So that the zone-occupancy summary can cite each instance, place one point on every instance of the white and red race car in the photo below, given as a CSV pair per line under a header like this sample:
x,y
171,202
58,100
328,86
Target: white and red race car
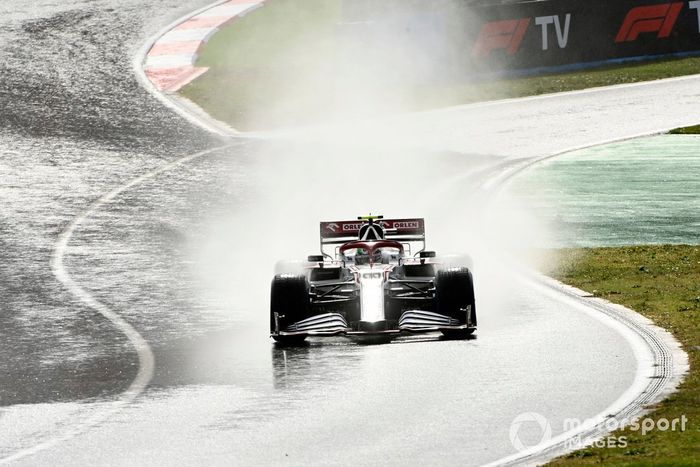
x,y
368,282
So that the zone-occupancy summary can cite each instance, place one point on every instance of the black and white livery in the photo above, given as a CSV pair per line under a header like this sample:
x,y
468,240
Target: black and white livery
x,y
368,282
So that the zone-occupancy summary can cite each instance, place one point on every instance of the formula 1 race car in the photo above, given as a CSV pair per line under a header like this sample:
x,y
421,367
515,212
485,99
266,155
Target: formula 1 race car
x,y
370,284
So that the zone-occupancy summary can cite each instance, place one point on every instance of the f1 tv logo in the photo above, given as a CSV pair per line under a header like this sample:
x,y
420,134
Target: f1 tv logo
x,y
508,34
653,18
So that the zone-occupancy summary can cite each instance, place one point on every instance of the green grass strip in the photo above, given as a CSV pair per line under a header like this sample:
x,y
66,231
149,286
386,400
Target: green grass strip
x,y
689,130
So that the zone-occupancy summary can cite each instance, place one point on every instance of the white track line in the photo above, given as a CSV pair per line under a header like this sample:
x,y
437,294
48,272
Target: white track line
x,y
143,350
502,179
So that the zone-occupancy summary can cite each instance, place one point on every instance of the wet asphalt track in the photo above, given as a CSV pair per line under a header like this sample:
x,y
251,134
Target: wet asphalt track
x,y
173,257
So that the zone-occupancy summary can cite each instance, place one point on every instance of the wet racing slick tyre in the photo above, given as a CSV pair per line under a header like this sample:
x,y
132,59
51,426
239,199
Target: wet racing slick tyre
x,y
289,298
454,293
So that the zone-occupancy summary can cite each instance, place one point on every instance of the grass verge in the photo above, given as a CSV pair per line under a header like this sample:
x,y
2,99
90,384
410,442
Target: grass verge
x,y
270,67
689,130
278,66
662,283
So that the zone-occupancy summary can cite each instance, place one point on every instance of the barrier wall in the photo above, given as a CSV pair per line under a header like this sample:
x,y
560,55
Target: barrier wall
x,y
555,33
454,40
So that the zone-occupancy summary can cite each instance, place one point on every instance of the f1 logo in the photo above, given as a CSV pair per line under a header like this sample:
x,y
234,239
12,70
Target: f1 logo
x,y
507,34
653,18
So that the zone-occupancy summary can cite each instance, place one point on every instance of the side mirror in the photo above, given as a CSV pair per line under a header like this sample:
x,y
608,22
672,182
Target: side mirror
x,y
315,259
427,254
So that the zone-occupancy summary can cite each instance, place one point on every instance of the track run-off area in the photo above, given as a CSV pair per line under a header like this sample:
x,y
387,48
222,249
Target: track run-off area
x,y
166,245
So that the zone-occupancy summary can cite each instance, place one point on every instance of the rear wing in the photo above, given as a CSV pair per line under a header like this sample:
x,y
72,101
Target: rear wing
x,y
401,230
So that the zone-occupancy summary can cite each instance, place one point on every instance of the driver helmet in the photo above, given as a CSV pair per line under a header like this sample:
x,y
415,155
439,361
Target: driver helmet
x,y
361,256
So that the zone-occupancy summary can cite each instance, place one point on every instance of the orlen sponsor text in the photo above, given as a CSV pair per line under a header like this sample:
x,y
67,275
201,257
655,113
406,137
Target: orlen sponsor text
x,y
406,225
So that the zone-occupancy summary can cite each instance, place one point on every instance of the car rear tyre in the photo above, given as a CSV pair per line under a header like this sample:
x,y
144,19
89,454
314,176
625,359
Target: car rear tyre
x,y
289,299
454,293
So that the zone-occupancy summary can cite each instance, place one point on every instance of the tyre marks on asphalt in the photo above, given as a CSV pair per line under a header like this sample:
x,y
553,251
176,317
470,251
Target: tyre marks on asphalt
x,y
146,361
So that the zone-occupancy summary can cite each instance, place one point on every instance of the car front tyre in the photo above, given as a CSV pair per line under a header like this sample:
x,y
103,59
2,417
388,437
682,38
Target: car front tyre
x,y
454,293
289,303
